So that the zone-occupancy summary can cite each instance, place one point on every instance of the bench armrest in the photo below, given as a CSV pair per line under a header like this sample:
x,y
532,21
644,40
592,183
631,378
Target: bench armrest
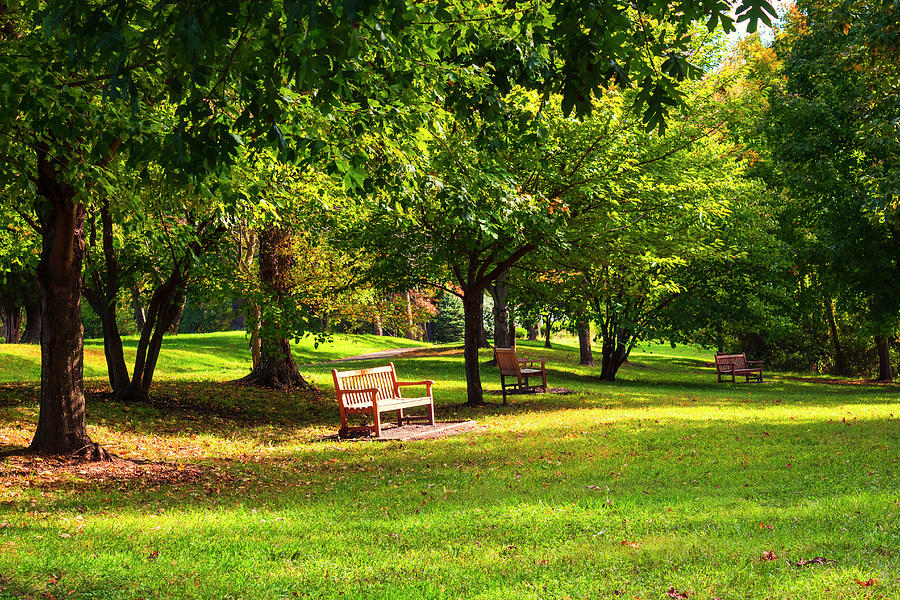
x,y
526,361
426,382
373,391
755,362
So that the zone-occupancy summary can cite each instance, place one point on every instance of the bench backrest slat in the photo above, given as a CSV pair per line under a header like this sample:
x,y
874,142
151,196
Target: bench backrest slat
x,y
507,361
384,379
739,361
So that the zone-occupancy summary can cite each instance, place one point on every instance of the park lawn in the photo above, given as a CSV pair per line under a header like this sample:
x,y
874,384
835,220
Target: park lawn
x,y
661,485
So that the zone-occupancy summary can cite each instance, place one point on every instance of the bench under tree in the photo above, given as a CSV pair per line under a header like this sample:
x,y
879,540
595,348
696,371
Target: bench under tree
x,y
374,391
737,365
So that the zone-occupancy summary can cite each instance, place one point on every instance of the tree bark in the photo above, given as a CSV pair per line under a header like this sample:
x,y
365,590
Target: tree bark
x,y
885,372
61,427
276,367
533,332
586,356
613,356
12,323
474,329
841,364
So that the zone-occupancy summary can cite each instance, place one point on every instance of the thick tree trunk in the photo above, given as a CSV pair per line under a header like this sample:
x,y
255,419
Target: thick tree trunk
x,y
841,364
533,332
474,328
885,372
547,325
613,357
12,323
276,367
586,356
61,427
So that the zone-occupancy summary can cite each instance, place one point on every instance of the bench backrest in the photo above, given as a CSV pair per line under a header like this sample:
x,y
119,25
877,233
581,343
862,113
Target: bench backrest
x,y
384,379
507,361
735,361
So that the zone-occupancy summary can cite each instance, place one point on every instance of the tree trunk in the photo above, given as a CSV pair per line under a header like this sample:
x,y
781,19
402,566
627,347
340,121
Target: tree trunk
x,y
612,358
885,372
276,367
112,340
376,323
12,323
61,427
474,327
841,364
161,313
547,325
586,356
533,332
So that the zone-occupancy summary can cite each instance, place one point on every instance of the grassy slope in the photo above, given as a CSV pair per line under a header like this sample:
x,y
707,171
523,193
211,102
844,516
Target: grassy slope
x,y
700,479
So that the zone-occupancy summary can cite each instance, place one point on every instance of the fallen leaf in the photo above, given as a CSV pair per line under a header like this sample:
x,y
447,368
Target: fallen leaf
x,y
868,583
764,526
632,544
673,593
153,555
768,555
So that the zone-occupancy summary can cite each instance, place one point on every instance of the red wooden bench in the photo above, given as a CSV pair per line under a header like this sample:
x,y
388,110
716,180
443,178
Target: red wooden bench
x,y
520,368
738,365
374,391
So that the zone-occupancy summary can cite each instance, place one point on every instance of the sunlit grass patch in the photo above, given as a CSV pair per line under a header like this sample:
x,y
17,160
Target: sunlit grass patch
x,y
662,480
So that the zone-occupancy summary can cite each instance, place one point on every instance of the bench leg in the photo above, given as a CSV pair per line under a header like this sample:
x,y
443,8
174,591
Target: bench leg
x,y
343,431
431,412
503,388
544,380
399,416
377,423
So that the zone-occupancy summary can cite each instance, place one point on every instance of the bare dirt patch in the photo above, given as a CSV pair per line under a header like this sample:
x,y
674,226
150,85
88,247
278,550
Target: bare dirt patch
x,y
47,471
410,431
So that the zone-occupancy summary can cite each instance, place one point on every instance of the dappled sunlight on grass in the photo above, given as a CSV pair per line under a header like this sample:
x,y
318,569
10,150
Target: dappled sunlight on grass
x,y
662,479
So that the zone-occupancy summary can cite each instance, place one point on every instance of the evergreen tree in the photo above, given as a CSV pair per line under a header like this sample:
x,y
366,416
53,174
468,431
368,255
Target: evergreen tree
x,y
449,325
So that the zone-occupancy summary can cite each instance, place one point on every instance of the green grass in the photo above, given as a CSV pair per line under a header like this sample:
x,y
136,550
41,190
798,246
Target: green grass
x,y
699,478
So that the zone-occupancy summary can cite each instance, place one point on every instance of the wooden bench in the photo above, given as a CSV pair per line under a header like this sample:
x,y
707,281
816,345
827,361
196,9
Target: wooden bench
x,y
520,368
374,391
738,365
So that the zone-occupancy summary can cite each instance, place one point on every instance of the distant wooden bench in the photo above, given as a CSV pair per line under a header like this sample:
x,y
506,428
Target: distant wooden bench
x,y
374,391
737,365
520,368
